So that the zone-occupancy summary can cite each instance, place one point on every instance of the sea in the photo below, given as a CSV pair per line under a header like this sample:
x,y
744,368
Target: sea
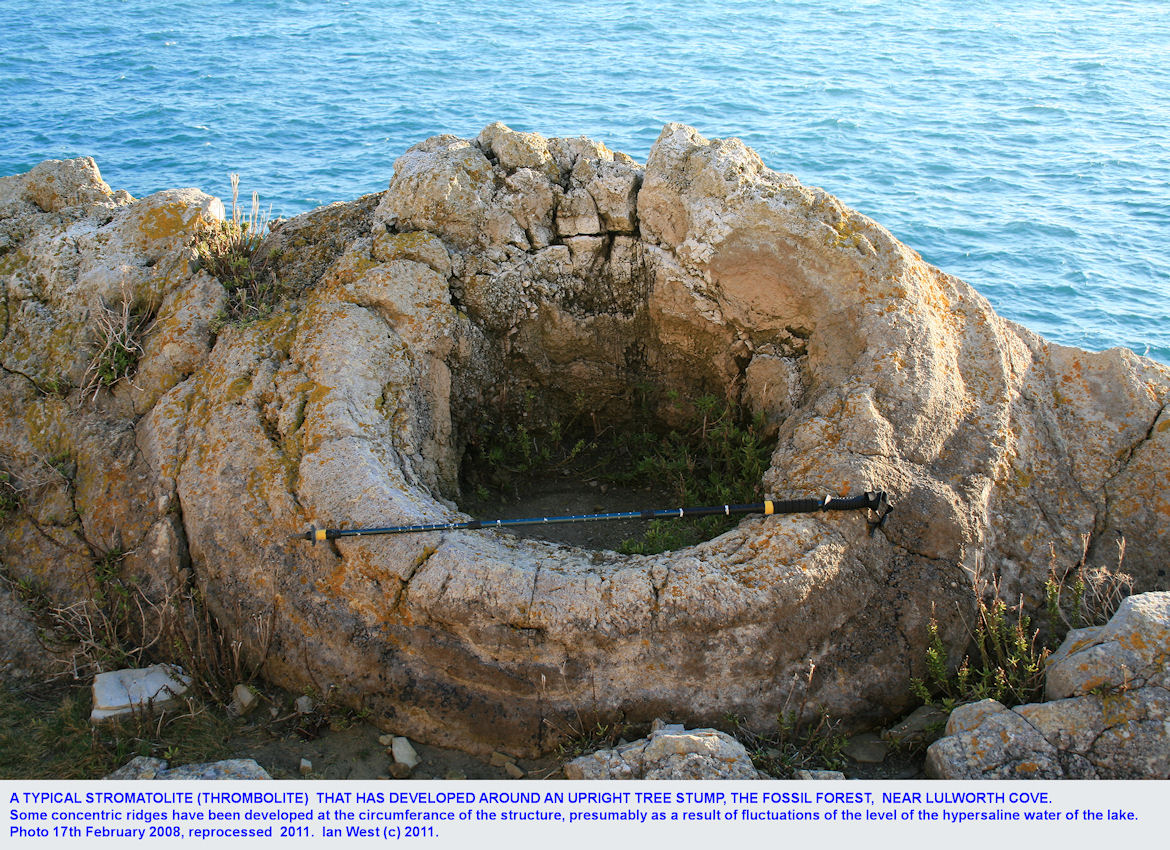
x,y
1022,145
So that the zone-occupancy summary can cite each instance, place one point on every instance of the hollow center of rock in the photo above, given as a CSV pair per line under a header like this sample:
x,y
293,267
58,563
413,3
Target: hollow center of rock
x,y
666,452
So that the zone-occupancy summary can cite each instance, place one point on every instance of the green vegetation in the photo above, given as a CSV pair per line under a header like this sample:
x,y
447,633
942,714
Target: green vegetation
x,y
803,740
1009,667
718,457
45,730
1084,596
118,348
230,252
583,738
9,495
1010,653
45,733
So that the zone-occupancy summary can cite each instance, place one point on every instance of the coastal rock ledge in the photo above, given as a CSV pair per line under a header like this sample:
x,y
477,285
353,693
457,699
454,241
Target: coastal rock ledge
x,y
515,267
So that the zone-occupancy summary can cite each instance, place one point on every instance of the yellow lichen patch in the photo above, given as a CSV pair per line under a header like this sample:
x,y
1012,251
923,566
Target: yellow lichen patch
x,y
47,426
237,389
1116,708
349,268
164,222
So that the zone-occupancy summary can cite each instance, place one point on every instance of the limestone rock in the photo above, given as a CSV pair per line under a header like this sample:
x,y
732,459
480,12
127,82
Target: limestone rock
x,y
139,767
121,692
143,767
244,699
577,214
613,186
1130,651
921,726
516,151
55,185
444,186
404,753
821,775
1114,725
669,752
419,246
22,656
1003,746
867,748
514,268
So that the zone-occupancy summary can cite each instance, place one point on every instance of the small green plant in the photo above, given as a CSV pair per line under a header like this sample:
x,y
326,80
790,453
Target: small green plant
x,y
45,733
230,251
120,332
57,386
719,459
803,740
9,495
587,738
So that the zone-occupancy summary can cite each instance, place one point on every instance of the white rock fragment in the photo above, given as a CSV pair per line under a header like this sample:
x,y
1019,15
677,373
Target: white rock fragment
x,y
121,692
404,753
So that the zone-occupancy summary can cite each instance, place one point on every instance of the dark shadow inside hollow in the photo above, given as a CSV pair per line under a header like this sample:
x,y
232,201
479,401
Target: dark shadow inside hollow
x,y
536,459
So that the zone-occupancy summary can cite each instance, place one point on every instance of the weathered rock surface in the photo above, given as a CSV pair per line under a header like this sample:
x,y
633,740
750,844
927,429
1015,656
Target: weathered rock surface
x,y
669,752
1108,716
144,767
22,657
512,267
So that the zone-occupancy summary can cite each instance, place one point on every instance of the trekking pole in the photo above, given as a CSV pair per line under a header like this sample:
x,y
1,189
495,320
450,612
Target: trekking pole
x,y
875,501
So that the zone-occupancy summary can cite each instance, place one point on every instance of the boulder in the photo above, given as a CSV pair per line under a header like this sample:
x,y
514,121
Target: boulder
x,y
477,280
144,767
1108,714
669,752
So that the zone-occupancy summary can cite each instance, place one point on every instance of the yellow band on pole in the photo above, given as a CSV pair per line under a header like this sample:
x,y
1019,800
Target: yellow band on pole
x,y
321,534
768,508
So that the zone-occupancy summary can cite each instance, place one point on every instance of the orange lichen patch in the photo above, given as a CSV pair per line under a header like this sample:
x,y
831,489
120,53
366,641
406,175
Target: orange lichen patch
x,y
1084,642
332,584
1117,708
1135,641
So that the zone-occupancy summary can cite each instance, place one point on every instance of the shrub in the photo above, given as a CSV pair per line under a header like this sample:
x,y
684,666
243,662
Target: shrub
x,y
121,330
1009,666
1010,653
230,252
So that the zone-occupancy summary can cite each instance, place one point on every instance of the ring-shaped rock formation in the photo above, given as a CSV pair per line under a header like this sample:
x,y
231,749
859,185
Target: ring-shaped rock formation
x,y
513,264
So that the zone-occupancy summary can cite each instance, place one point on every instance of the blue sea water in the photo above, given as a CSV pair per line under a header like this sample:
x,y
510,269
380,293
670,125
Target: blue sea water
x,y
1022,145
